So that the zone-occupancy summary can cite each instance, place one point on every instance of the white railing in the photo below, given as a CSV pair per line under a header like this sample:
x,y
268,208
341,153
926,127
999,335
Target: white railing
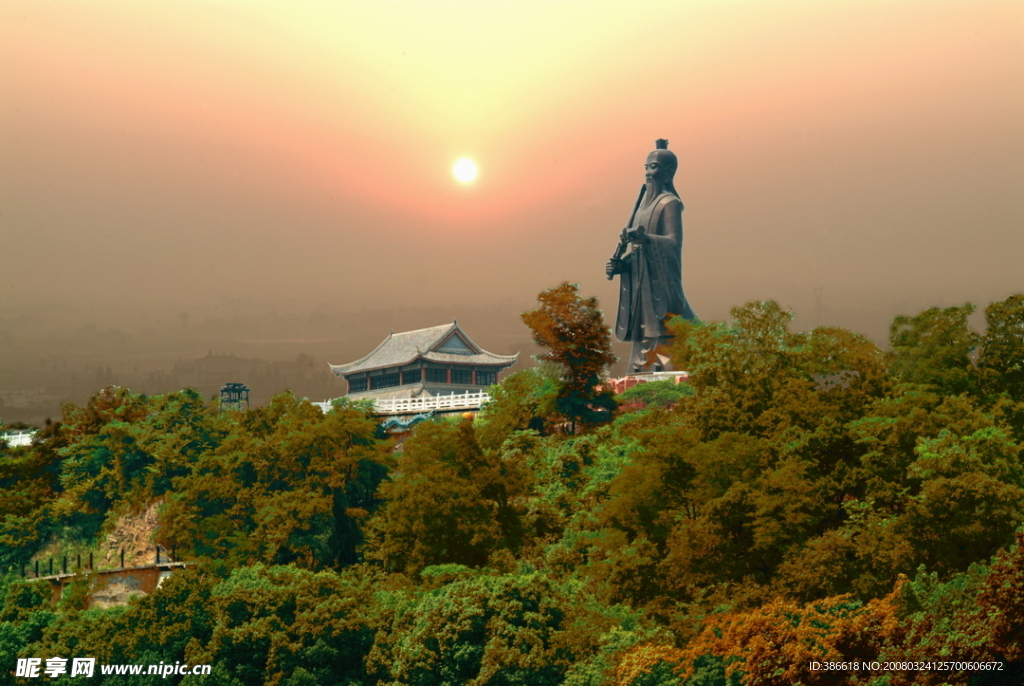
x,y
659,376
18,438
452,401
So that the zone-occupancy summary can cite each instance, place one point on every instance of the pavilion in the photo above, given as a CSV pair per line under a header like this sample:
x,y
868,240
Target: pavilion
x,y
438,361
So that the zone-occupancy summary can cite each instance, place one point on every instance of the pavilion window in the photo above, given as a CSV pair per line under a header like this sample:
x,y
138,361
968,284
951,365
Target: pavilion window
x,y
437,375
412,376
356,385
384,381
463,376
486,378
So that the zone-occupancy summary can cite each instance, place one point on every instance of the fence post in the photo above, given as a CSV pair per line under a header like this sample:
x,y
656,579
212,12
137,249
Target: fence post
x,y
122,558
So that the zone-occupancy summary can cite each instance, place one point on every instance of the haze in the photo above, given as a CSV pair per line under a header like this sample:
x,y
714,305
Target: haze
x,y
175,173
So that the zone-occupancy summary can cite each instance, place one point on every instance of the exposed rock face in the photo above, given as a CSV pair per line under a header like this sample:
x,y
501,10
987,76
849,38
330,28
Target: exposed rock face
x,y
133,533
111,583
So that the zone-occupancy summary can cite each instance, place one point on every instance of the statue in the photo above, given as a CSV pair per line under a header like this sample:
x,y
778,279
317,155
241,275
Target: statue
x,y
651,275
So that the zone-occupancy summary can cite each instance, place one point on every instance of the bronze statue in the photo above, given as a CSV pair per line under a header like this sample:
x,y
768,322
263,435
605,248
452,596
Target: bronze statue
x,y
651,281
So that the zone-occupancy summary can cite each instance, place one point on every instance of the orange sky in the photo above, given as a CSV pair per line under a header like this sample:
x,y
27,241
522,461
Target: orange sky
x,y
874,150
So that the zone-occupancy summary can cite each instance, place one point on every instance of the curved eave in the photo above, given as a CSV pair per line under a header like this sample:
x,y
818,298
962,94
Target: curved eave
x,y
501,361
340,369
483,359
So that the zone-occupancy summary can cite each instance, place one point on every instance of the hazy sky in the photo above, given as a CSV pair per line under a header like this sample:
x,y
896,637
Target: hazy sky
x,y
162,155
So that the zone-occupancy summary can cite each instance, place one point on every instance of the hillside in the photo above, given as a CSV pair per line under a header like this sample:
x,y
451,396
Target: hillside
x,y
809,498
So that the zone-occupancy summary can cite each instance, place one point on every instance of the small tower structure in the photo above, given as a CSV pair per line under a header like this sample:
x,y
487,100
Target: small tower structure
x,y
232,395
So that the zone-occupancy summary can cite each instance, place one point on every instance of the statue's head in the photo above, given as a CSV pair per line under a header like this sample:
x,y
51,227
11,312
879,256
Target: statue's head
x,y
661,165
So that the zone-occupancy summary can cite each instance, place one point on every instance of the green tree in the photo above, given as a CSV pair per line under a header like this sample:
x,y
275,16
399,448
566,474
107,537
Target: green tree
x,y
967,497
136,453
936,481
934,348
656,393
257,625
288,626
579,346
448,502
515,405
25,613
29,482
1002,347
753,375
100,459
514,630
287,484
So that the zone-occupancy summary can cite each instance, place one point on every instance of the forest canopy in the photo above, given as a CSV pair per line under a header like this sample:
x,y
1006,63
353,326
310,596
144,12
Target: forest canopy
x,y
805,496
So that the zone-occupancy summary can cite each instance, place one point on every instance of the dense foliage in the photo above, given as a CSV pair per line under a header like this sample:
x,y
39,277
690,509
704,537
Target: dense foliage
x,y
805,497
579,350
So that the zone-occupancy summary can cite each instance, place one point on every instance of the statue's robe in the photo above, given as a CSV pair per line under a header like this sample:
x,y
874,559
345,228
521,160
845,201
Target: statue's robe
x,y
651,282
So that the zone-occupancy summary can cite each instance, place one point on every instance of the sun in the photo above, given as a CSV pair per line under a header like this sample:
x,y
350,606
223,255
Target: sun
x,y
465,170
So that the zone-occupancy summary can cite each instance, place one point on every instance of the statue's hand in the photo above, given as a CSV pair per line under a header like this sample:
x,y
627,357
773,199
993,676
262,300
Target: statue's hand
x,y
638,236
613,267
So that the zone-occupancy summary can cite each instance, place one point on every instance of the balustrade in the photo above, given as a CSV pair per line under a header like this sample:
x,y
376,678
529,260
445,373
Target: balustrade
x,y
452,401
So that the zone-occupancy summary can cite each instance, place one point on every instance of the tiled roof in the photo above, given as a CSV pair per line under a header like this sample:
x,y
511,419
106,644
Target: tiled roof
x,y
402,348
